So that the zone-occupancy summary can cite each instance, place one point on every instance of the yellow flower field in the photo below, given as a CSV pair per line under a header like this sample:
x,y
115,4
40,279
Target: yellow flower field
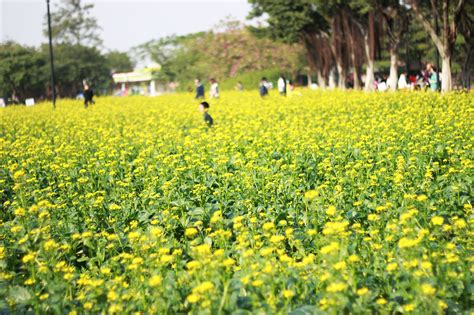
x,y
337,202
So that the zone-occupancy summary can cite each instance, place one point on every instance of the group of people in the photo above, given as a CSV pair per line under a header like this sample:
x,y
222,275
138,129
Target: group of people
x,y
214,90
264,86
427,79
284,86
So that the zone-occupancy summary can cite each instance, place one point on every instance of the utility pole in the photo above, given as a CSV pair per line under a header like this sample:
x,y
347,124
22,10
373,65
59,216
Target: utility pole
x,y
51,57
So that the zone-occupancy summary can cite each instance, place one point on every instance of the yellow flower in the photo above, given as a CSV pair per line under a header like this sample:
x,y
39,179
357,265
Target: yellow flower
x,y
15,229
340,265
268,226
460,224
421,198
112,295
204,287
19,212
442,305
331,211
288,294
191,232
114,207
437,220
362,291
409,307
44,296
392,267
155,281
330,248
427,289
310,194
336,287
28,257
381,301
372,217
193,298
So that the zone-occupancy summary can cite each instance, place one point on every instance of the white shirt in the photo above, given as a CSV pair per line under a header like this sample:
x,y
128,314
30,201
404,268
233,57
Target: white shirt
x,y
402,82
214,93
281,85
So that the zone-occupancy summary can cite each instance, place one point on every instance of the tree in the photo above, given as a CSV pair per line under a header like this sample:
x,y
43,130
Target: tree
x,y
449,15
72,23
21,71
396,20
466,29
119,62
227,51
297,22
75,63
364,15
177,55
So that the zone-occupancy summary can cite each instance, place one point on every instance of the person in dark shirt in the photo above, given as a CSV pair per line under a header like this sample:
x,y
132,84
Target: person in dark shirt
x,y
88,94
263,87
199,89
203,108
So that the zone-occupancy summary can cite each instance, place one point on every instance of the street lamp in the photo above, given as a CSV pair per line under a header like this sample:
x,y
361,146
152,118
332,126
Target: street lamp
x,y
51,57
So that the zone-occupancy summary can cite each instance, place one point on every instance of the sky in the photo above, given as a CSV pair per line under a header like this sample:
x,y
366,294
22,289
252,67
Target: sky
x,y
125,23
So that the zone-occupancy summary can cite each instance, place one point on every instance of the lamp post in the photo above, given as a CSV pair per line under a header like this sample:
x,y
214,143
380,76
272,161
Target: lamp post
x,y
51,57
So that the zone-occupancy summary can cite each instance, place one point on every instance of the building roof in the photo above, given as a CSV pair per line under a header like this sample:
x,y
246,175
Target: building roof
x,y
138,75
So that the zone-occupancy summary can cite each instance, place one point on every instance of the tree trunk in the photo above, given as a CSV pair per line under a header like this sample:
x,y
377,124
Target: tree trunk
x,y
341,73
466,70
332,78
369,74
321,79
310,81
355,73
446,80
393,78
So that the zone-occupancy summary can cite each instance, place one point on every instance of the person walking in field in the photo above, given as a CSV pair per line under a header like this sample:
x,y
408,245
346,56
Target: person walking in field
x,y
204,108
88,94
282,85
433,77
214,92
263,87
402,81
199,89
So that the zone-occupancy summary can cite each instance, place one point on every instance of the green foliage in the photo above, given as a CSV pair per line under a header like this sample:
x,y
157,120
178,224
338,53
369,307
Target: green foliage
x,y
119,61
287,20
71,23
21,71
250,80
75,63
228,52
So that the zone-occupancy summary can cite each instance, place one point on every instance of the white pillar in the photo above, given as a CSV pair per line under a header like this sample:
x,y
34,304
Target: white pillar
x,y
152,88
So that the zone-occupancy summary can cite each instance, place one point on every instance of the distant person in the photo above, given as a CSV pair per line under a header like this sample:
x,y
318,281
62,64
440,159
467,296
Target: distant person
x,y
263,88
433,77
88,94
382,84
425,73
214,92
282,85
199,89
402,81
239,86
204,108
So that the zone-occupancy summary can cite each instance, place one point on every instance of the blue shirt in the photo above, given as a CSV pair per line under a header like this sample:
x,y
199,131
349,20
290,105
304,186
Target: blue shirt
x,y
199,91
